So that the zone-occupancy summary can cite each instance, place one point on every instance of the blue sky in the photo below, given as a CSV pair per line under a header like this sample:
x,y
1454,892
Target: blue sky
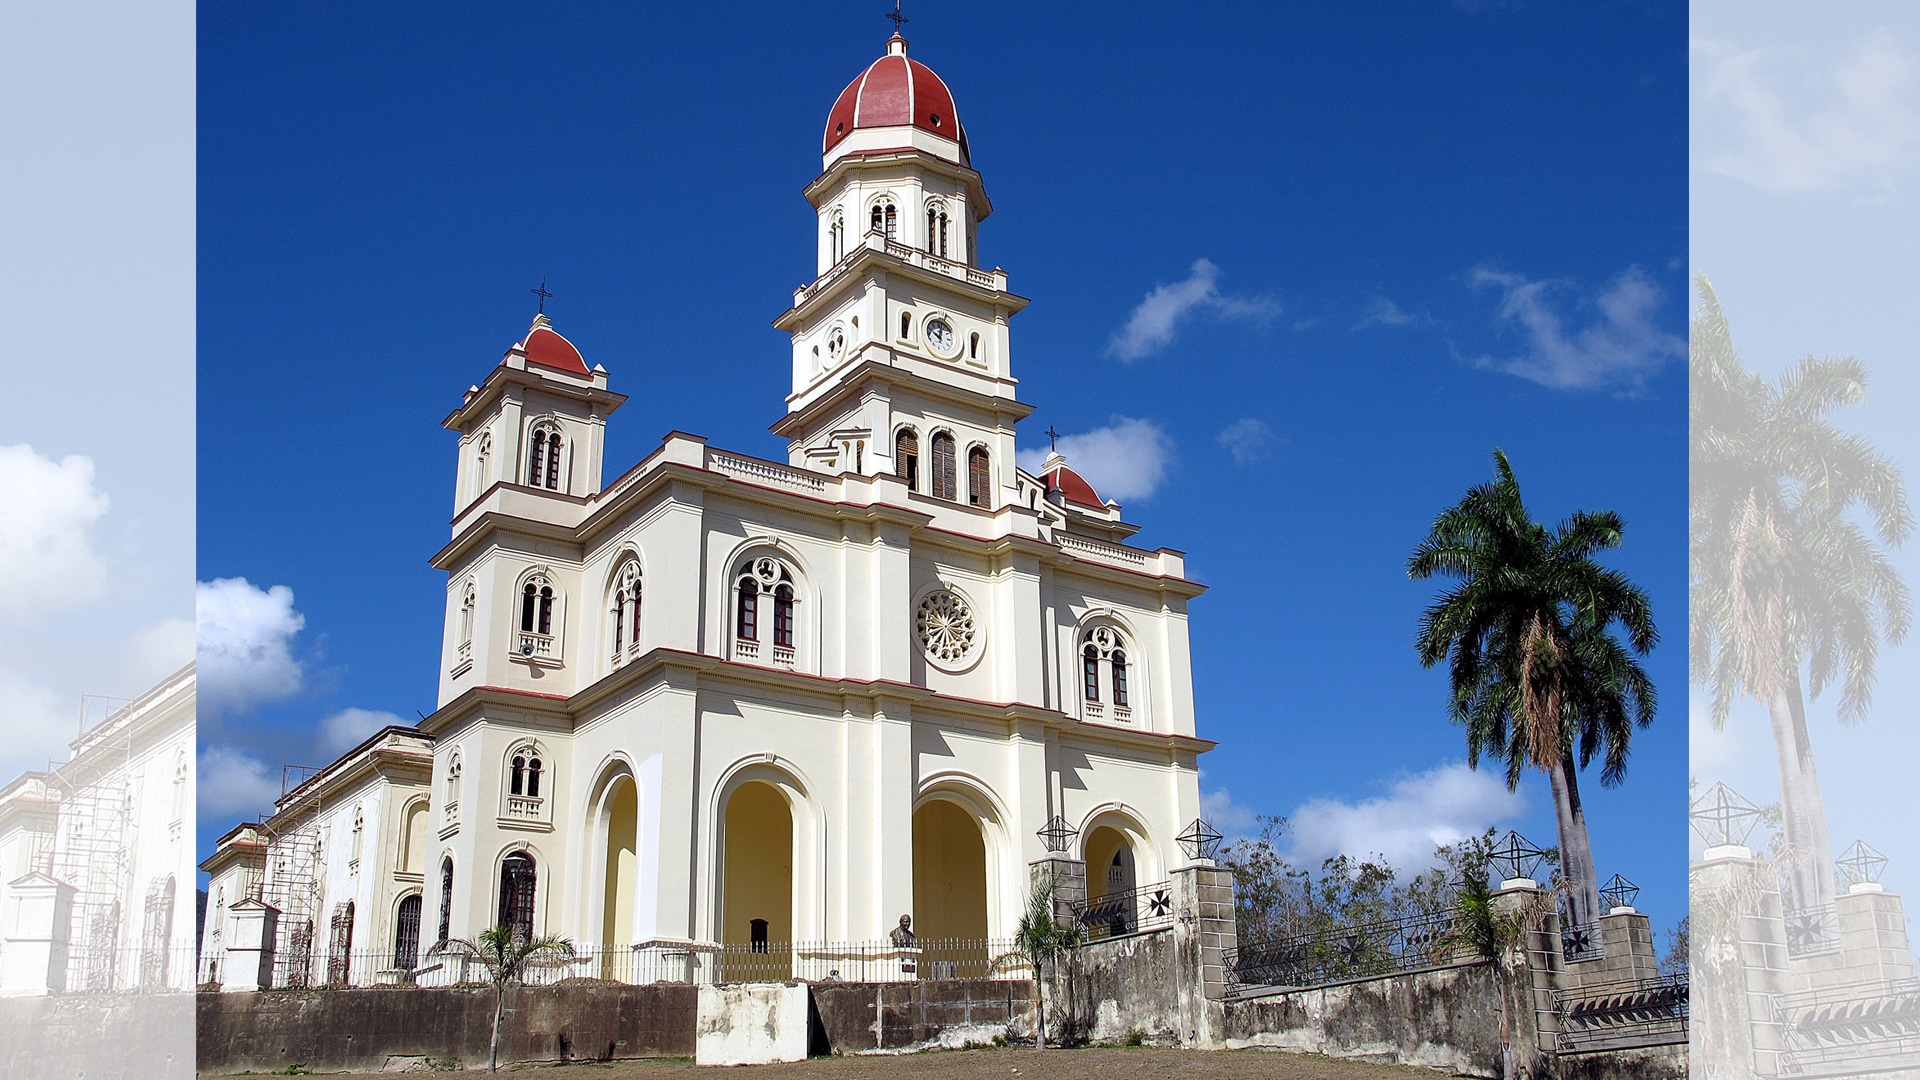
x,y
1295,273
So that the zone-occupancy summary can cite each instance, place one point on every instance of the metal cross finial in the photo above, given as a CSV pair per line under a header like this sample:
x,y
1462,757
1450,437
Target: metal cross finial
x,y
896,16
544,296
1053,439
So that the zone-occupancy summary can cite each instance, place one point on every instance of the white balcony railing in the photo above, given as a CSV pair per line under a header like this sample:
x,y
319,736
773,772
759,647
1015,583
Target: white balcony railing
x,y
765,473
525,807
452,813
986,279
538,646
746,650
1101,551
783,656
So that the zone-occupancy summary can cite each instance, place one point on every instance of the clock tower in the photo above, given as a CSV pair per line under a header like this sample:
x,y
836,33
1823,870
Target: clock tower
x,y
900,344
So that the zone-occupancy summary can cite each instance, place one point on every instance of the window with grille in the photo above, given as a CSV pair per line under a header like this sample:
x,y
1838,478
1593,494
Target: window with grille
x,y
406,934
446,899
943,466
517,880
979,480
906,458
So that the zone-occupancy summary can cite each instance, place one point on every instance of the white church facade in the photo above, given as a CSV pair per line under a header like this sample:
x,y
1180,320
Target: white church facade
x,y
719,706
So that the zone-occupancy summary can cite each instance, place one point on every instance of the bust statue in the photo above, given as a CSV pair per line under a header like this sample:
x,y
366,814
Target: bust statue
x,y
902,935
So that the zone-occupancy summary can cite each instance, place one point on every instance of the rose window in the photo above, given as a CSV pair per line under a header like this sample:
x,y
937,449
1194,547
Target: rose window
x,y
945,626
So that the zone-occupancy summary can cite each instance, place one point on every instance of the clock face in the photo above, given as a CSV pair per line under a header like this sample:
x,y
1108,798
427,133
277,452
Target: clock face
x,y
940,336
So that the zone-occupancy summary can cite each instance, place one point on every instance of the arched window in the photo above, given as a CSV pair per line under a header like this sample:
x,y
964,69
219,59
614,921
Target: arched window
x,y
973,347
937,229
906,458
517,785
783,616
626,610
533,778
1102,646
446,898
944,486
340,947
543,462
359,833
467,605
837,237
764,580
979,480
157,939
747,618
453,785
482,463
406,934
517,881
884,220
536,607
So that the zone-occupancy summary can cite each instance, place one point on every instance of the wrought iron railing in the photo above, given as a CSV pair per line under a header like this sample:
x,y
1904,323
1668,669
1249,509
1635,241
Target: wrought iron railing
x,y
1365,951
1814,930
1129,911
1623,1015
1848,1031
1580,941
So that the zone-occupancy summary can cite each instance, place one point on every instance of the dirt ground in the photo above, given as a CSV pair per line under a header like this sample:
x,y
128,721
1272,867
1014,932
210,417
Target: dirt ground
x,y
1018,1063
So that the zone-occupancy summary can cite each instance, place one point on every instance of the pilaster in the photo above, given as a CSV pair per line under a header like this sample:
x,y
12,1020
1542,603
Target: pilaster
x,y
39,923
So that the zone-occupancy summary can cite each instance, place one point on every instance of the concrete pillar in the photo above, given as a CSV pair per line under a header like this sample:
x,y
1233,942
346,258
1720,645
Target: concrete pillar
x,y
39,924
249,963
1204,932
1741,936
1626,947
1069,877
1531,975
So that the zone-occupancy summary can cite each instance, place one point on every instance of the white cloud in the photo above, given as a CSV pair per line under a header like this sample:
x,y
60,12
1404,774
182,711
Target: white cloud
x,y
37,724
1854,125
160,649
1619,346
1125,460
1250,440
1153,324
1384,312
47,561
348,728
1228,818
245,637
233,783
1443,805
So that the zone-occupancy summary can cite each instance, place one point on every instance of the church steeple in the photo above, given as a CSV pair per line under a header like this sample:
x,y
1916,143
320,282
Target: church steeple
x,y
900,331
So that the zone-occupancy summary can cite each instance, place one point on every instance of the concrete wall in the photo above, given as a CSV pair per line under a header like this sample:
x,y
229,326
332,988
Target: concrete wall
x,y
148,1036
363,1029
1446,1019
861,1017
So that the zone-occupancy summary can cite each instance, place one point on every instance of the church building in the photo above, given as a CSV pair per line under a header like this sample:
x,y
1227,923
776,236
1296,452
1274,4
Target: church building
x,y
720,715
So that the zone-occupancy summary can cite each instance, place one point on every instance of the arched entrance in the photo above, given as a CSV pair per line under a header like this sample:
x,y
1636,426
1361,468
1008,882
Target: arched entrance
x,y
756,909
950,890
621,814
1112,874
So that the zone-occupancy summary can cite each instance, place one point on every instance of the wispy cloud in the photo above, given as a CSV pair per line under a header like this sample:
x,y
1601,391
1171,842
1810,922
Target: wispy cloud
x,y
1384,312
1854,125
245,643
1228,818
1153,324
1249,440
1618,345
1124,461
47,561
348,728
1419,812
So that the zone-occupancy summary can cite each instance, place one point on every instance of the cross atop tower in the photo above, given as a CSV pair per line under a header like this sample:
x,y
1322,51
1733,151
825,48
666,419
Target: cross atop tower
x,y
1053,439
544,296
897,18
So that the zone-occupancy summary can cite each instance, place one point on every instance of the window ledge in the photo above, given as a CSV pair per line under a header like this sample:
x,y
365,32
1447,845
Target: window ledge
x,y
414,876
450,830
524,825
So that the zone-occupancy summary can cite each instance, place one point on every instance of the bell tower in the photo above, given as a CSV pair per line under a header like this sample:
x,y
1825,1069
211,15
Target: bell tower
x,y
901,338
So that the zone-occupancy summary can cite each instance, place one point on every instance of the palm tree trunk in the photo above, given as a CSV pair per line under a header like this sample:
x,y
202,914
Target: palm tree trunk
x,y
493,1047
1810,848
1576,851
1040,1009
1506,1029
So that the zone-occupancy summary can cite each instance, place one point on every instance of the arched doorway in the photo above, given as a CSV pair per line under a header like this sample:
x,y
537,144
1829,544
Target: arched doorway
x,y
518,880
756,908
1112,874
950,890
622,817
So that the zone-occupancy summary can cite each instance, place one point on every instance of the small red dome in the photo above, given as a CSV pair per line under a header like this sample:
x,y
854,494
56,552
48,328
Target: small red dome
x,y
895,92
1074,487
545,346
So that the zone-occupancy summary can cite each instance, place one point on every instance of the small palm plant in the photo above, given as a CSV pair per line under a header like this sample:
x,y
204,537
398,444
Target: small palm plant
x,y
1040,940
508,954
1491,928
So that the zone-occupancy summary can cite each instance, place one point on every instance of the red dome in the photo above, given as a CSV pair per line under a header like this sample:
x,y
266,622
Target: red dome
x,y
545,346
895,92
1074,487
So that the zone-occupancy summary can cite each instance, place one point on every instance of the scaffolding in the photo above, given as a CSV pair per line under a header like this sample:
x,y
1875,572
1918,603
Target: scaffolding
x,y
292,883
92,844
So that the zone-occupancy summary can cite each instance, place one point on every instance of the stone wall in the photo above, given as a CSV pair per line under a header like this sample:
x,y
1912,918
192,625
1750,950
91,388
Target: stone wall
x,y
366,1028
148,1036
1446,1018
863,1017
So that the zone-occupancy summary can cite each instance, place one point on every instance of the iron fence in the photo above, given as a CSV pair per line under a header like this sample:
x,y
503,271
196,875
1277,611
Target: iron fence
x,y
129,969
1368,950
1848,1031
1130,911
1623,1015
1812,931
818,961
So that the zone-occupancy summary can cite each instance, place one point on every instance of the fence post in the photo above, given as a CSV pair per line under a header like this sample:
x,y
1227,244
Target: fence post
x,y
249,962
1069,877
40,921
1204,932
1531,982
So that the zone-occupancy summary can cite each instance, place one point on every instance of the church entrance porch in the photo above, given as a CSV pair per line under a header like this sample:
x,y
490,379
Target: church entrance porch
x,y
620,816
950,891
756,912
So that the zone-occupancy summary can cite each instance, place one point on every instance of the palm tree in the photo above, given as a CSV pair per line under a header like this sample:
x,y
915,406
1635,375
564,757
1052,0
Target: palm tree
x,y
1782,576
1536,669
1040,940
1491,929
508,955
